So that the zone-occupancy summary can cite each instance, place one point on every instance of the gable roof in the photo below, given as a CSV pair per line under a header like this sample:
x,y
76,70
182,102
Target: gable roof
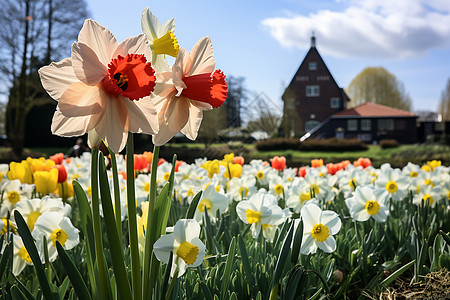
x,y
370,109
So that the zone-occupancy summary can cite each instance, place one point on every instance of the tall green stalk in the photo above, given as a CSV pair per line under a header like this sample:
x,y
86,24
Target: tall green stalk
x,y
105,292
117,204
148,282
132,224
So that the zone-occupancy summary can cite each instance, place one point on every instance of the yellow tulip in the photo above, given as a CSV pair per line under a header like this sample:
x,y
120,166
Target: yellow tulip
x,y
20,171
228,158
234,169
40,164
46,182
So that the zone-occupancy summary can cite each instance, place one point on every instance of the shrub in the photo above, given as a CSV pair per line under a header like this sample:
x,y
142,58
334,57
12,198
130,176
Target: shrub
x,y
277,144
333,144
385,144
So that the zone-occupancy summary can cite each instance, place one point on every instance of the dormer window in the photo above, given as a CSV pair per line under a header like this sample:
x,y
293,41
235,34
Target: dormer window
x,y
312,65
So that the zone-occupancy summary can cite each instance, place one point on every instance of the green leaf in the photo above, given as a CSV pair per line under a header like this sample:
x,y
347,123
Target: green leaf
x,y
397,273
293,283
283,256
29,244
206,292
167,273
117,257
25,292
7,252
72,272
132,223
229,263
245,261
445,236
63,287
297,242
193,206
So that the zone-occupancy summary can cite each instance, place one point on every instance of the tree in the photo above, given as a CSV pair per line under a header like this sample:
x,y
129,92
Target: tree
x,y
263,115
444,104
237,94
34,32
377,85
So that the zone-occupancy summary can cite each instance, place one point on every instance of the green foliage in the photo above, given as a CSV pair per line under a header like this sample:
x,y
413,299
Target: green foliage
x,y
385,144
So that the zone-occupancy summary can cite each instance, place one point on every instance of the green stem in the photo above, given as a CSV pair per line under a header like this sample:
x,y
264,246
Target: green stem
x,y
117,204
172,283
105,293
147,292
132,224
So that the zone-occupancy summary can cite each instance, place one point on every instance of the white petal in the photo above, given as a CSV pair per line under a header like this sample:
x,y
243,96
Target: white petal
x,y
329,245
311,216
143,116
331,219
66,126
99,39
193,124
136,44
177,113
150,24
163,246
80,99
202,56
308,244
57,77
201,251
164,135
86,65
168,25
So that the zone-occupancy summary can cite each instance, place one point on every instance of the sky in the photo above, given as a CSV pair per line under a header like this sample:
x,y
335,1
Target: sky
x,y
265,41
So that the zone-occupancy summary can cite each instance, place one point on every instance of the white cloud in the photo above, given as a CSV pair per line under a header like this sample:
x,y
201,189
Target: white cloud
x,y
369,28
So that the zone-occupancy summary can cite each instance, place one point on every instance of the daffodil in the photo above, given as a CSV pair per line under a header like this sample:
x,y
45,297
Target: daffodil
x,y
21,258
411,170
191,87
213,202
32,209
277,186
232,170
299,196
6,224
262,208
55,226
12,195
103,86
393,182
161,39
184,243
318,229
428,194
365,204
242,188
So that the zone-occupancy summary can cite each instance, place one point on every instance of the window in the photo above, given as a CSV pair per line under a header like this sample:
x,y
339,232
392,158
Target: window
x,y
385,124
312,66
335,102
323,78
290,103
352,125
365,137
310,125
366,125
302,78
312,91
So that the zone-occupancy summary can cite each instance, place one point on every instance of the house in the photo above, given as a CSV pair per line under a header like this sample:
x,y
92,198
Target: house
x,y
315,106
312,96
370,123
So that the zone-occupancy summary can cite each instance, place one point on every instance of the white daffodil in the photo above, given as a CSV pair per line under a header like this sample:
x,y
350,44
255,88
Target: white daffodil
x,y
211,201
277,186
32,209
21,258
161,39
364,204
261,210
188,250
163,173
260,170
427,193
393,182
352,177
55,227
12,195
241,188
299,196
318,229
411,170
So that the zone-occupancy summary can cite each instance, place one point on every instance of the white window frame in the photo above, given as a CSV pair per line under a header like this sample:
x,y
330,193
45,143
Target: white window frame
x,y
366,124
352,125
312,91
312,66
335,102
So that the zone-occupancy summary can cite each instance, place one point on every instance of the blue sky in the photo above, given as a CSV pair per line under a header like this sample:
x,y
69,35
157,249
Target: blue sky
x,y
265,41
